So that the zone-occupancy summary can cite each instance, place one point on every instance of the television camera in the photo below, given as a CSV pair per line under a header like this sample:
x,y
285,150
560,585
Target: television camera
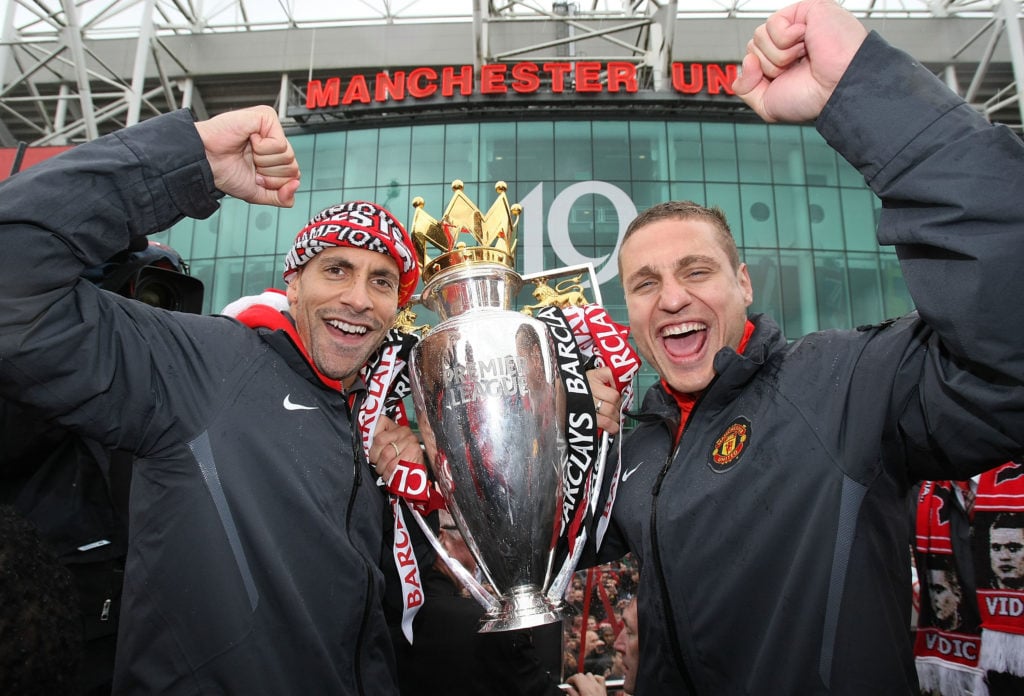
x,y
155,275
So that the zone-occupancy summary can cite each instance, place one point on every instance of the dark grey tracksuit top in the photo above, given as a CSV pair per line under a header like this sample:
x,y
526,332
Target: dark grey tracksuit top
x,y
255,532
775,559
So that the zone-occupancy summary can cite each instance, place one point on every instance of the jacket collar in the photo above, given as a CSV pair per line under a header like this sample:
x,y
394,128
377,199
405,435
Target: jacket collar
x,y
277,328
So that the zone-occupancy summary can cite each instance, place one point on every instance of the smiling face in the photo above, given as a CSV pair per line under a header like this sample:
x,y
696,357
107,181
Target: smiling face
x,y
343,301
685,299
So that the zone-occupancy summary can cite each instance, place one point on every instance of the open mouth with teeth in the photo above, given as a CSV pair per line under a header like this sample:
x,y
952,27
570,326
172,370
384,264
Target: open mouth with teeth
x,y
684,340
346,328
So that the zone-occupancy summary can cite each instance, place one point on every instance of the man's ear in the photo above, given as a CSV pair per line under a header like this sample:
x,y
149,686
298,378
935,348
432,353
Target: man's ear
x,y
743,275
293,289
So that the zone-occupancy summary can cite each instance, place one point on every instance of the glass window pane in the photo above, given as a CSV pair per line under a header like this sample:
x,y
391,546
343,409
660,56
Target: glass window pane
x,y
227,282
234,219
261,232
758,215
203,270
688,191
204,240
848,174
792,219
752,147
319,200
648,151
460,152
819,159
727,197
763,267
606,225
647,194
498,152
328,161
260,273
719,152
799,304
573,160
393,156
826,215
426,155
535,154
611,151
831,290
865,289
289,222
304,147
613,300
581,222
361,158
397,200
859,219
787,155
686,162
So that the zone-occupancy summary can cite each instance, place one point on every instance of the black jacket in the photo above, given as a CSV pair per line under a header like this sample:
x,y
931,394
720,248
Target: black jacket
x,y
773,540
449,656
255,528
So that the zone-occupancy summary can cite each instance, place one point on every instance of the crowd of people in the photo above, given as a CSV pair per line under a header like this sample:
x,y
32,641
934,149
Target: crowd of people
x,y
597,597
763,495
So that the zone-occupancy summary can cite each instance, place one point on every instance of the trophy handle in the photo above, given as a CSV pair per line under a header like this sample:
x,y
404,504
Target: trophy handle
x,y
560,583
480,593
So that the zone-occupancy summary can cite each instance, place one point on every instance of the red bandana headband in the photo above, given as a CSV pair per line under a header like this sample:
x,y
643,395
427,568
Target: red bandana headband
x,y
362,225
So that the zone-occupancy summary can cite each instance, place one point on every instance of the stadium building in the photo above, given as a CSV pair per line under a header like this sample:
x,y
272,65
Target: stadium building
x,y
590,111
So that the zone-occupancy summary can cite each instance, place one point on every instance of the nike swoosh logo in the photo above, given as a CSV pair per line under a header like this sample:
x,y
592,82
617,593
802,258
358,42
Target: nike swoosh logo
x,y
627,474
289,405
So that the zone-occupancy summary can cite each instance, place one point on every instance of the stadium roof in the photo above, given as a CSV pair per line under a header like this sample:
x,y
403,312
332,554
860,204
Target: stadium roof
x,y
123,18
72,70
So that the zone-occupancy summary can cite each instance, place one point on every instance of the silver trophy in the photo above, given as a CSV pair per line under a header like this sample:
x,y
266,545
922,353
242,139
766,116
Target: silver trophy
x,y
491,408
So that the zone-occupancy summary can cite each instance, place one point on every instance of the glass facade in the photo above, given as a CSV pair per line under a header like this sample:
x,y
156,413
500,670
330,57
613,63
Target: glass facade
x,y
803,218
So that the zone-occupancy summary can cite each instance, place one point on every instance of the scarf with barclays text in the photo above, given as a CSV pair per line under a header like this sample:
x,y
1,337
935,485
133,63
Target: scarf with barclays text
x,y
584,337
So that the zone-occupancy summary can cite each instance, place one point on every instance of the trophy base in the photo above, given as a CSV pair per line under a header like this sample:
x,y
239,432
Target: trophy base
x,y
526,607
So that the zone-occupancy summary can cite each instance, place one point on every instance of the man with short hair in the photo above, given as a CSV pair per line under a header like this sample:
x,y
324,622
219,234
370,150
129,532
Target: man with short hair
x,y
764,491
256,525
1006,551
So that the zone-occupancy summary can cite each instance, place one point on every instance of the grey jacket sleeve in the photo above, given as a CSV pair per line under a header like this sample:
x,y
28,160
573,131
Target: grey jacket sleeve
x,y
93,361
952,189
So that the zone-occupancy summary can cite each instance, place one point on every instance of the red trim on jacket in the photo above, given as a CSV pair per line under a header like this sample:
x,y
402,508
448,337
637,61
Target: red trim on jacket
x,y
686,401
262,316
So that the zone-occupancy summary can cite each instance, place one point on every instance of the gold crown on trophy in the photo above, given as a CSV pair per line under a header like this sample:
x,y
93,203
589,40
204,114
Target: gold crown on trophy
x,y
464,235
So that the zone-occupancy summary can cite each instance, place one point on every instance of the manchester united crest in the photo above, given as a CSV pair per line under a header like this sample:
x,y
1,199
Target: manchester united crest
x,y
730,446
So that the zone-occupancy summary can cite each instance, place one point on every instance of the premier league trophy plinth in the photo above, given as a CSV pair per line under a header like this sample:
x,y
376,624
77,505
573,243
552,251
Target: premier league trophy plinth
x,y
491,408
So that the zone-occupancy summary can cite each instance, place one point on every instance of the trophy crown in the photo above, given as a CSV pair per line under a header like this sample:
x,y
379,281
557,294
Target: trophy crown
x,y
464,235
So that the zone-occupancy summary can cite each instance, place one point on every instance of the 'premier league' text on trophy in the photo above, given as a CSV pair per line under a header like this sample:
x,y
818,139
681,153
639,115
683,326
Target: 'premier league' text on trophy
x,y
514,451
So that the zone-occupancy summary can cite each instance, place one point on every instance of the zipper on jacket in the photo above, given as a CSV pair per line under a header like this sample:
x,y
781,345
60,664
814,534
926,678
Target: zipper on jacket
x,y
362,632
358,461
659,573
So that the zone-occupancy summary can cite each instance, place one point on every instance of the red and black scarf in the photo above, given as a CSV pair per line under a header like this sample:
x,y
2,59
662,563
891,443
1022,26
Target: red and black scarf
x,y
998,543
970,568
